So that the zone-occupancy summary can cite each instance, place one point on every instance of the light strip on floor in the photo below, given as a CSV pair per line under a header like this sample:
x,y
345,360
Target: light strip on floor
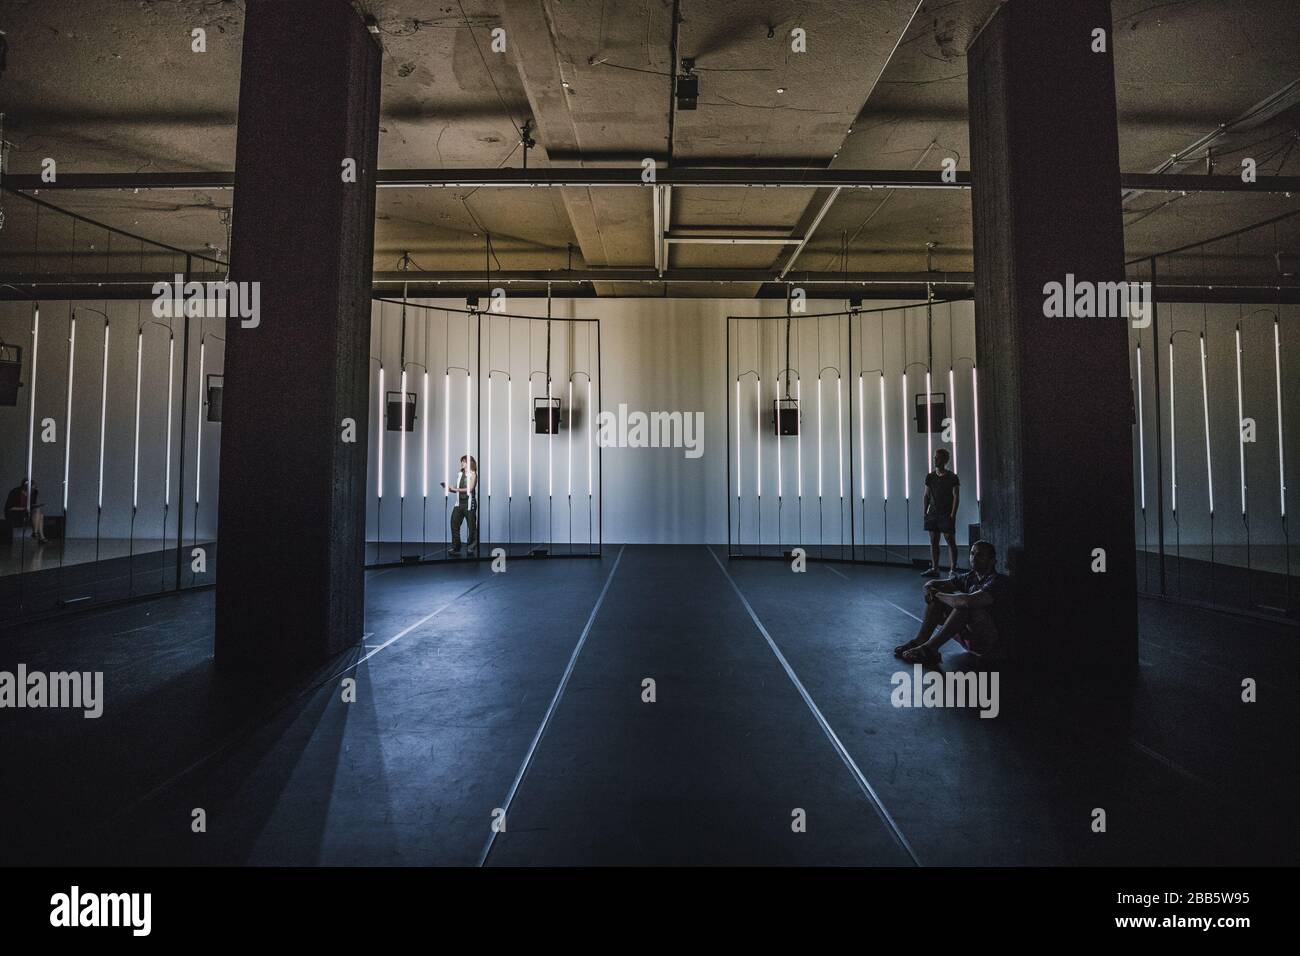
x,y
31,410
379,438
884,445
1173,443
1241,439
1205,408
424,438
839,413
139,366
198,436
975,398
67,418
907,491
1277,377
401,443
1142,446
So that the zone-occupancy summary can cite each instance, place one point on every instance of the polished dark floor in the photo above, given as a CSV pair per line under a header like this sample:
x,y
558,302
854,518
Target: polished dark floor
x,y
772,695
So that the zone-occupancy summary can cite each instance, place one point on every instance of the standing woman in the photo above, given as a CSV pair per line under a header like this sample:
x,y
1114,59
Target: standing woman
x,y
466,505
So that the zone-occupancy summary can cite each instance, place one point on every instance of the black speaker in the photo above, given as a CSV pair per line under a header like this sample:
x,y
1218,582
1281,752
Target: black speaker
x,y
216,388
785,416
938,412
11,368
688,91
395,420
546,416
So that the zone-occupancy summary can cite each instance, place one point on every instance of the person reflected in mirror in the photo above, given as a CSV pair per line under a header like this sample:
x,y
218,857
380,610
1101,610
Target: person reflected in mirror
x,y
23,507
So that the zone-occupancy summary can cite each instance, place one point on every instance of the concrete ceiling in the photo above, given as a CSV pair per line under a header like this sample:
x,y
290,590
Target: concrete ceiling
x,y
114,87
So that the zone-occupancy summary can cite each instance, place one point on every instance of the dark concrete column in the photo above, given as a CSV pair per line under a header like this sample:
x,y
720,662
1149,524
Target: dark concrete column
x,y
292,506
1055,398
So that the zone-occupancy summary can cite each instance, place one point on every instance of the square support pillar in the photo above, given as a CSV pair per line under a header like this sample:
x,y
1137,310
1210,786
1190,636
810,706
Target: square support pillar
x,y
1056,398
292,491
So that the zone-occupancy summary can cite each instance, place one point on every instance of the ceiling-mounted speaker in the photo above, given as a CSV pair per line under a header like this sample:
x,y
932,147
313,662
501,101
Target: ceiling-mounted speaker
x,y
216,388
546,416
688,90
785,416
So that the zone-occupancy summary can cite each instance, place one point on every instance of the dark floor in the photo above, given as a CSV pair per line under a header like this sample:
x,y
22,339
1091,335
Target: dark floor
x,y
773,694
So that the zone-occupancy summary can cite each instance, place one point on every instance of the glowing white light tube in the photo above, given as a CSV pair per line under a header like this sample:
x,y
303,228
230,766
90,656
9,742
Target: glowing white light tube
x,y
776,390
469,415
103,417
591,443
424,440
31,410
550,441
198,437
1142,448
1173,444
446,431
862,436
929,430
1241,440
67,419
798,438
139,364
569,470
379,439
952,415
531,412
975,398
401,443
510,438
1205,407
884,445
1277,377
839,415
167,468
758,435
737,436
907,491
819,434
487,467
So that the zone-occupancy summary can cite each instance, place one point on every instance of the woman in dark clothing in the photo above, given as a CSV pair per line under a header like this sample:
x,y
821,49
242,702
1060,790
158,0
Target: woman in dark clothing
x,y
19,508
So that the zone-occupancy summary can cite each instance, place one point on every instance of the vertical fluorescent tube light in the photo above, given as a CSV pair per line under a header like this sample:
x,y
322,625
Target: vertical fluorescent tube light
x,y
929,426
379,438
776,390
884,445
952,415
550,441
1173,444
489,462
1241,441
862,435
510,438
198,431
446,431
907,491
798,444
758,435
103,415
424,440
1142,447
570,467
590,443
839,428
401,442
531,413
1277,377
819,434
139,365
1205,407
975,407
31,410
67,418
167,467
737,435
469,414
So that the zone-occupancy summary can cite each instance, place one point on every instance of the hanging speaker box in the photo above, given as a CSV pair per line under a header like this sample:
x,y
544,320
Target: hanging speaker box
x,y
216,388
546,416
11,368
938,412
785,416
395,420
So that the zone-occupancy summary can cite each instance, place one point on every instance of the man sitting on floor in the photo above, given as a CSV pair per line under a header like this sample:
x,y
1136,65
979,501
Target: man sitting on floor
x,y
967,608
